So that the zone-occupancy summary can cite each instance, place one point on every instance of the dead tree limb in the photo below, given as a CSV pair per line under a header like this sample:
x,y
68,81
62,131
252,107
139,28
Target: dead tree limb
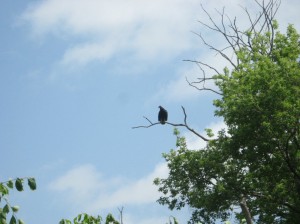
x,y
235,38
203,80
185,124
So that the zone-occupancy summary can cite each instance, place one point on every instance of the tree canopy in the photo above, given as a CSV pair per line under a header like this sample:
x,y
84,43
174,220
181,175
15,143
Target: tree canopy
x,y
252,169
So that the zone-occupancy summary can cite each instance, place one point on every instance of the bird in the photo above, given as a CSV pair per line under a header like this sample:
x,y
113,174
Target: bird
x,y
162,115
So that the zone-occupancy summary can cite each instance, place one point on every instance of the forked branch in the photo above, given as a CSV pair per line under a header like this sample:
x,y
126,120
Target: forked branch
x,y
203,80
185,124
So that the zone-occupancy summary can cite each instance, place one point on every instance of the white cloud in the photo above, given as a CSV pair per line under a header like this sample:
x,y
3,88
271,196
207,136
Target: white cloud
x,y
141,191
85,186
80,183
150,29
82,54
84,189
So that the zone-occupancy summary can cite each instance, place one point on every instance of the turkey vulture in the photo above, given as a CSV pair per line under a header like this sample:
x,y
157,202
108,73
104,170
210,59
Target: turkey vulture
x,y
162,115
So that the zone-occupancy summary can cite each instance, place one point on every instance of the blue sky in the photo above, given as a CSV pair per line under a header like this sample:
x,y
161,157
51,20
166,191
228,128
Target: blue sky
x,y
76,75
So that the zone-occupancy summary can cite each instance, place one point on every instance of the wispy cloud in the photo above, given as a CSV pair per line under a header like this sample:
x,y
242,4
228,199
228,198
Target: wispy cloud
x,y
146,29
136,33
86,187
79,183
82,54
137,192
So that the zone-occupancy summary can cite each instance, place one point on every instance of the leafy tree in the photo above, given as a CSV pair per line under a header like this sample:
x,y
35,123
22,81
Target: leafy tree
x,y
7,211
252,170
83,219
89,219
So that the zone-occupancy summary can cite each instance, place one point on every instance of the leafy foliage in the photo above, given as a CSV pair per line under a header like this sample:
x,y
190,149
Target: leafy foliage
x,y
257,159
111,220
6,208
83,219
89,219
173,220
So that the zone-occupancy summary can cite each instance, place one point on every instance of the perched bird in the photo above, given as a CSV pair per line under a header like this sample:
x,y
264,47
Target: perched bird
x,y
162,115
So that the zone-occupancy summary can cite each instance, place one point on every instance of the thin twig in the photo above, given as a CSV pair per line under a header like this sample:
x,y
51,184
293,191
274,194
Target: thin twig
x,y
192,84
204,64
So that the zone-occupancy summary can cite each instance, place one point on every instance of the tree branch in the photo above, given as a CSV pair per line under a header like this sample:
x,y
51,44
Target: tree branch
x,y
175,125
147,126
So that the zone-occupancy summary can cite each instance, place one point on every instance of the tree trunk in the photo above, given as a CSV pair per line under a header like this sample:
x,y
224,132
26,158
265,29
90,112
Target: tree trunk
x,y
245,210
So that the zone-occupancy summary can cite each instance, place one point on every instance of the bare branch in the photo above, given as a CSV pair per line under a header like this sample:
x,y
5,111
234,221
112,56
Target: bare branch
x,y
190,129
175,125
204,79
146,126
149,120
216,28
204,64
192,84
235,38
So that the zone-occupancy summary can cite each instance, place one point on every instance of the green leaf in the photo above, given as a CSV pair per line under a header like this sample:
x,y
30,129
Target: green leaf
x,y
209,132
10,184
2,214
15,208
3,189
19,184
65,221
32,183
21,221
2,220
6,209
13,220
175,220
176,132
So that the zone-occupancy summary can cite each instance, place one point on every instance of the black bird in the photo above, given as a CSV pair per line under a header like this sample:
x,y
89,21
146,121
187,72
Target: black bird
x,y
162,115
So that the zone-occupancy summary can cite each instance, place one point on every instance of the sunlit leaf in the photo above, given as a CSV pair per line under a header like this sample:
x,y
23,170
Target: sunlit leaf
x,y
15,208
3,189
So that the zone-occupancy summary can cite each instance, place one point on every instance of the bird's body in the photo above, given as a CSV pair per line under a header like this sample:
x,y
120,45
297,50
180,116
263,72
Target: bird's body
x,y
162,115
